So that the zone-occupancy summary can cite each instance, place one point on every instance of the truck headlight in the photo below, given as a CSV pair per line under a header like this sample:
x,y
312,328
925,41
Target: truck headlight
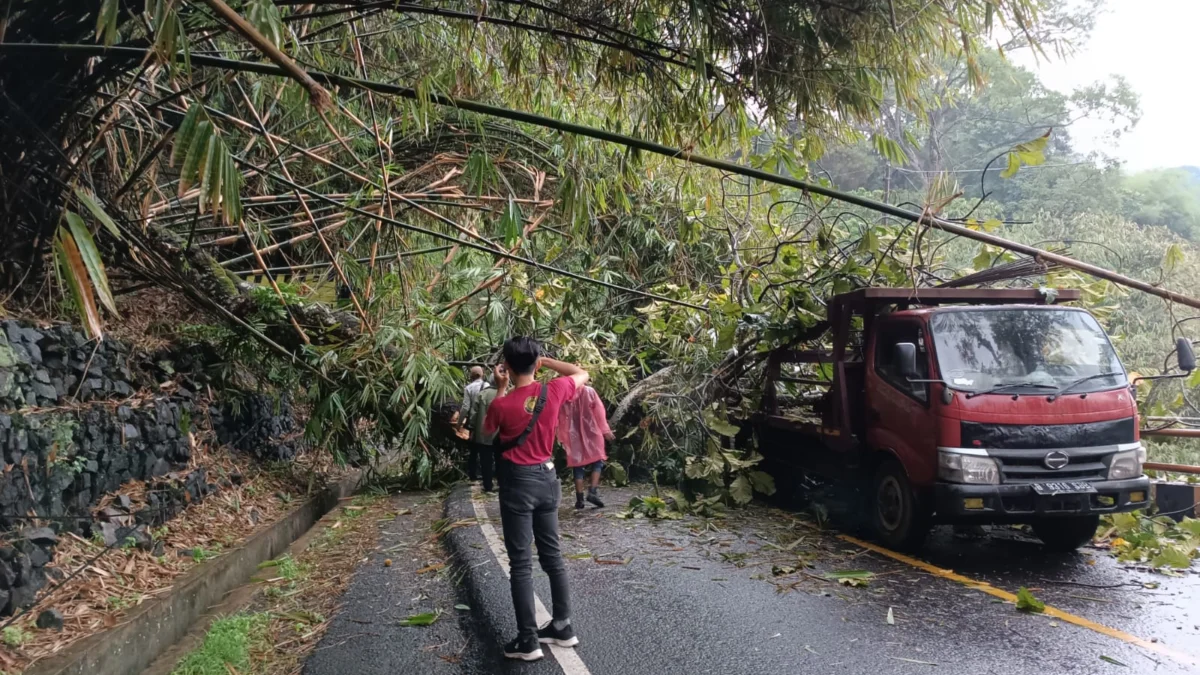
x,y
954,467
1126,464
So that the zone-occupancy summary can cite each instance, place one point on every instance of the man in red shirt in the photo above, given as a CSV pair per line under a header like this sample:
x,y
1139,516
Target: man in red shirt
x,y
525,413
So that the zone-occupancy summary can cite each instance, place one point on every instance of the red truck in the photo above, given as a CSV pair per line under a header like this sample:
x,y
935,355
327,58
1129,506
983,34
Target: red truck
x,y
963,406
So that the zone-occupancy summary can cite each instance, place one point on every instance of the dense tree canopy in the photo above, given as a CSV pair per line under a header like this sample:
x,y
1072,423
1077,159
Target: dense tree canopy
x,y
148,140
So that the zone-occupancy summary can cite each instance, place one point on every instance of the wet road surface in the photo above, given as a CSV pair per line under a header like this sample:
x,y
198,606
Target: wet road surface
x,y
747,594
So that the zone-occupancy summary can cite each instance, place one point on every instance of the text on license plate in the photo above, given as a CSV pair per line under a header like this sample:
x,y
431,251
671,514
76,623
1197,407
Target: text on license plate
x,y
1064,488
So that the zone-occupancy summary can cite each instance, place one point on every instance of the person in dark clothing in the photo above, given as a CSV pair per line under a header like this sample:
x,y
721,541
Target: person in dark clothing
x,y
525,415
465,415
482,449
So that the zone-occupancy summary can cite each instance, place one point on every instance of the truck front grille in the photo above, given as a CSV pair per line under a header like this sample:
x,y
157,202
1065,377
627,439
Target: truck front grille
x,y
1028,466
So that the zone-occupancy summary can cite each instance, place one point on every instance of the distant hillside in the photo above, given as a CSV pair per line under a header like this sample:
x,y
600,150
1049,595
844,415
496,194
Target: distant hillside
x,y
1167,197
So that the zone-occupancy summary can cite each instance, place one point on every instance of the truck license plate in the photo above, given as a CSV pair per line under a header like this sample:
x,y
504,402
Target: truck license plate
x,y
1073,487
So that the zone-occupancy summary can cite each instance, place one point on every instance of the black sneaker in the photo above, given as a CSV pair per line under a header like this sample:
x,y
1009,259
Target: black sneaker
x,y
579,500
524,650
548,635
594,498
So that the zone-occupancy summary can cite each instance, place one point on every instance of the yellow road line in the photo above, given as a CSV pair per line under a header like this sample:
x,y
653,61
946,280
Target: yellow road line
x,y
1186,659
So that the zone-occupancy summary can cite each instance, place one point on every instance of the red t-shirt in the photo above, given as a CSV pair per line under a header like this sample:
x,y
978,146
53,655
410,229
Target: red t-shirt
x,y
510,415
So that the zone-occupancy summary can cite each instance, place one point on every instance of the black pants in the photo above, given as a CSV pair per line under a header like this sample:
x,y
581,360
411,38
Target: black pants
x,y
529,498
479,459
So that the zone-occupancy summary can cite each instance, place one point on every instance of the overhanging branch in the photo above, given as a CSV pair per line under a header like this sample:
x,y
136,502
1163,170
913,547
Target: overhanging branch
x,y
136,54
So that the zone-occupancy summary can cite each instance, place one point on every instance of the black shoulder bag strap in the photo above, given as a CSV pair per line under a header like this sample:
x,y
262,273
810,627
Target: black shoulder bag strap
x,y
537,412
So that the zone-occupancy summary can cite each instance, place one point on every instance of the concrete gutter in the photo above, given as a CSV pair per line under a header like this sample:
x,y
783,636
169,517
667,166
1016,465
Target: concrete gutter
x,y
157,624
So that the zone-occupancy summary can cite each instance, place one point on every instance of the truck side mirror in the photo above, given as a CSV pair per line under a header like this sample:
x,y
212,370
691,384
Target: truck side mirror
x,y
905,356
1186,357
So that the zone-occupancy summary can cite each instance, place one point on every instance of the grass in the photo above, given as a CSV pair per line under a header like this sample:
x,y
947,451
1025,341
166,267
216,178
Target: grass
x,y
227,643
14,636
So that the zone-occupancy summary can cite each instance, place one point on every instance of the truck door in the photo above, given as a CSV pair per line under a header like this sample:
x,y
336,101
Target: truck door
x,y
898,411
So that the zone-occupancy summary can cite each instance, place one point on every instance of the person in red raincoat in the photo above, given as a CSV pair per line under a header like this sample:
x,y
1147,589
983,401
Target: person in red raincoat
x,y
582,428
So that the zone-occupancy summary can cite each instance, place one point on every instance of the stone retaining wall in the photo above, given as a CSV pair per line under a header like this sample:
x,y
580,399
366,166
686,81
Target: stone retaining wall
x,y
79,419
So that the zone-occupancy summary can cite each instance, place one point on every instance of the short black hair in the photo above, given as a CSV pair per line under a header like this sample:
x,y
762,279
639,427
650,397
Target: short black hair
x,y
521,354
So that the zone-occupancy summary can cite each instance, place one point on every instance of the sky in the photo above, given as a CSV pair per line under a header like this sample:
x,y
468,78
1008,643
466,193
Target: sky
x,y
1154,44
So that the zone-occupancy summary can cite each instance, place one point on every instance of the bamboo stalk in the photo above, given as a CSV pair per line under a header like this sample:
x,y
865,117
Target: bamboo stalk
x,y
316,93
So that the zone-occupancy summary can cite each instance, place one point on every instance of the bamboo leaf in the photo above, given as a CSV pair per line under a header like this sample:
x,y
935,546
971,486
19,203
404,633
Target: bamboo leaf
x,y
205,172
187,129
106,22
97,211
74,273
510,223
91,259
195,153
1173,258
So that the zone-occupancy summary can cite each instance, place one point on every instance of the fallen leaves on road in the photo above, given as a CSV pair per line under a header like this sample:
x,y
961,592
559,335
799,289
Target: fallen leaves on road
x,y
1159,542
423,619
1109,659
1026,602
431,568
891,618
851,577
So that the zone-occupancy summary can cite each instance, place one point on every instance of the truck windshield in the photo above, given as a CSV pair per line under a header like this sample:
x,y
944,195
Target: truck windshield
x,y
1024,350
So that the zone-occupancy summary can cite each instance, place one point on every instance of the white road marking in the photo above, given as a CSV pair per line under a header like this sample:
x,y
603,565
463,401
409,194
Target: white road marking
x,y
568,659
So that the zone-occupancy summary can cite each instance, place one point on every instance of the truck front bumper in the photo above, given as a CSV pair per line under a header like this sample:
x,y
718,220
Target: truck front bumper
x,y
1019,503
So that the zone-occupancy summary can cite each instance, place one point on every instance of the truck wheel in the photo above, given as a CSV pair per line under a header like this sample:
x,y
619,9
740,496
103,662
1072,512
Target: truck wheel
x,y
1064,535
899,516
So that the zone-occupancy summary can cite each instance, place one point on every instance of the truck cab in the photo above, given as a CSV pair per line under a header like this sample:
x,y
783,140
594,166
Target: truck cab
x,y
967,406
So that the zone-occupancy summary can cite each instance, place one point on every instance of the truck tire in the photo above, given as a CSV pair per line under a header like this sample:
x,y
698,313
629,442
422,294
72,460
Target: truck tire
x,y
1064,535
900,518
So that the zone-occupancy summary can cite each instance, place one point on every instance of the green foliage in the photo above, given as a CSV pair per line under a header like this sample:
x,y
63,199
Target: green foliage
x,y
15,636
204,159
424,619
653,507
1159,542
1167,197
852,578
227,645
1026,602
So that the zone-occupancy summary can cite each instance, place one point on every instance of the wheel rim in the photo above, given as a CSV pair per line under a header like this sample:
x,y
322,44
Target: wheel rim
x,y
890,503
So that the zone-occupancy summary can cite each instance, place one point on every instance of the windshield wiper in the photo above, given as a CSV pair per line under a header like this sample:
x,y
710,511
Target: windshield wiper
x,y
1011,385
1071,385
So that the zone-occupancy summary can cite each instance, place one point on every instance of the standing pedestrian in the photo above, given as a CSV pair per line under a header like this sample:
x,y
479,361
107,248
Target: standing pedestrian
x,y
470,393
582,429
525,414
482,449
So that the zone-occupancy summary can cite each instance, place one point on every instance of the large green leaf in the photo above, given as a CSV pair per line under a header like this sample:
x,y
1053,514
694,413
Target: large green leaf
x,y
511,222
763,482
424,619
98,212
106,21
1172,556
1173,258
720,426
264,15
207,162
1026,602
91,259
741,490
75,275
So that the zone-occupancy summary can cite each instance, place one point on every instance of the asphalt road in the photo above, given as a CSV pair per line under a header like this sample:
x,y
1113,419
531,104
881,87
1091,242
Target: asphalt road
x,y
747,594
